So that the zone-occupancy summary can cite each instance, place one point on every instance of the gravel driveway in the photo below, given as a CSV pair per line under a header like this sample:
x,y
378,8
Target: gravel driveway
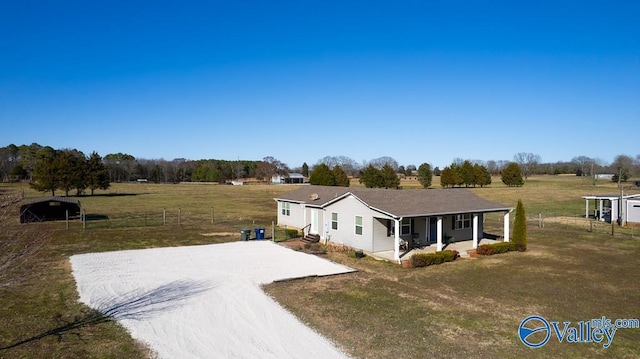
x,y
205,301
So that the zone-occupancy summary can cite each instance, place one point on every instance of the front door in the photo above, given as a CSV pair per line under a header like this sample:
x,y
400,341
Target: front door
x,y
433,229
314,221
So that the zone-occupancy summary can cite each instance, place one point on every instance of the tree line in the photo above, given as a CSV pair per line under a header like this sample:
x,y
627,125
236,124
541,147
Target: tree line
x,y
19,163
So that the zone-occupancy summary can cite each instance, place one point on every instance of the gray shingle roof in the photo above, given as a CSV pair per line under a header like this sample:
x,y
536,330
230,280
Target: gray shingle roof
x,y
399,203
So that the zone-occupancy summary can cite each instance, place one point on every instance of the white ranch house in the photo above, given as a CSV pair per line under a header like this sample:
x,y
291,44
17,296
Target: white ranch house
x,y
377,220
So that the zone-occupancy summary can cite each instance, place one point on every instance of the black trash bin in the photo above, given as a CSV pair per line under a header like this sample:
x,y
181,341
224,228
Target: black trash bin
x,y
245,234
259,233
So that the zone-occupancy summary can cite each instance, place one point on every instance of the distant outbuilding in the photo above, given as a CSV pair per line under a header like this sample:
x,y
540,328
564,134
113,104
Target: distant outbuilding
x,y
49,209
291,178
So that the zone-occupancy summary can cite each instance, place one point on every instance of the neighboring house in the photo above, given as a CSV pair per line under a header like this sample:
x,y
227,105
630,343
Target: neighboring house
x,y
377,220
608,208
604,176
291,178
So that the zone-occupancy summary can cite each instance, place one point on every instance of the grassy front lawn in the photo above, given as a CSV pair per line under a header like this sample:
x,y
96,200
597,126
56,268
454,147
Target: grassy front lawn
x,y
472,308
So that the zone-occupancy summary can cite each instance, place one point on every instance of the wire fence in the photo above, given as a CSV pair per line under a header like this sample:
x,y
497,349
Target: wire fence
x,y
550,220
494,224
212,222
206,223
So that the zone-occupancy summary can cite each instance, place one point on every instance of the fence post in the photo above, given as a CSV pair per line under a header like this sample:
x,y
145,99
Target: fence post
x,y
164,216
212,215
612,228
84,219
179,216
66,215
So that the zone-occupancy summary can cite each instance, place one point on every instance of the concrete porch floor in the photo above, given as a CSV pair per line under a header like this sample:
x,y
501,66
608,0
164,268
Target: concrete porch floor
x,y
462,247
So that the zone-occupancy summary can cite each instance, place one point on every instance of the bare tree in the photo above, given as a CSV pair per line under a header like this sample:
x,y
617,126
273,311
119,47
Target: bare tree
x,y
380,162
527,162
269,167
347,164
624,168
584,165
19,243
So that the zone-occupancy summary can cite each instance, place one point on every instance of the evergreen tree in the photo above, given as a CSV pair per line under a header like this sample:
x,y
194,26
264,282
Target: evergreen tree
x,y
322,176
450,176
391,179
466,173
46,172
340,177
305,169
512,175
372,177
482,175
97,173
520,228
73,171
424,175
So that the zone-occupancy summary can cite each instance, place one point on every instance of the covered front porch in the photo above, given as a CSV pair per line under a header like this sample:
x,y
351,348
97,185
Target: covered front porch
x,y
435,233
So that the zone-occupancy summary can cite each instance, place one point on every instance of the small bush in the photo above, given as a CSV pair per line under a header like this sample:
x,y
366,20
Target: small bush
x,y
501,247
427,259
339,248
357,254
291,233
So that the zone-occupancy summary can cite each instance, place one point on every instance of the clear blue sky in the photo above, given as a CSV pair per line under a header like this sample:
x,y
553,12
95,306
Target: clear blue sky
x,y
419,81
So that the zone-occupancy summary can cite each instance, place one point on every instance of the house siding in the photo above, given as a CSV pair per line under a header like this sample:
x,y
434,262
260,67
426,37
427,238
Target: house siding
x,y
347,210
294,219
633,211
464,234
381,241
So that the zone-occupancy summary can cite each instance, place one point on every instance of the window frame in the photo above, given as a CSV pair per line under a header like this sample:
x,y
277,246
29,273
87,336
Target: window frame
x,y
286,209
462,221
359,226
405,227
334,221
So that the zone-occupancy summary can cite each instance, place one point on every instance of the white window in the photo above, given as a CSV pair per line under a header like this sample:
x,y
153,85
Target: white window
x,y
334,220
286,208
359,225
405,226
462,221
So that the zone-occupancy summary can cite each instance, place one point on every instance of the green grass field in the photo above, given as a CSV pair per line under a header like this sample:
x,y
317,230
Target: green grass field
x,y
468,308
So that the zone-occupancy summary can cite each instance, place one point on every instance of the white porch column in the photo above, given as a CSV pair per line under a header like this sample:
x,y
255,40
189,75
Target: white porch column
x,y
304,219
396,239
426,230
506,226
475,230
600,215
439,235
586,208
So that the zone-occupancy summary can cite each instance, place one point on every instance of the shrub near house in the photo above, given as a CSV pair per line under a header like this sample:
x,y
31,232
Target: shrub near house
x,y
427,259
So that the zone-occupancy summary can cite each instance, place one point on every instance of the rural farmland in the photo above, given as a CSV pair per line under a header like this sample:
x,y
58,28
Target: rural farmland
x,y
468,308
